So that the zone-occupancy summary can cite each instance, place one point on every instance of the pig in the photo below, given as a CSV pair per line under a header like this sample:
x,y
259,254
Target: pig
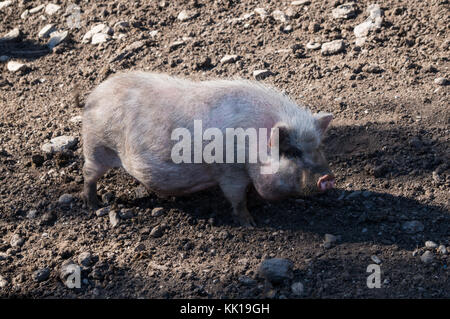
x,y
128,122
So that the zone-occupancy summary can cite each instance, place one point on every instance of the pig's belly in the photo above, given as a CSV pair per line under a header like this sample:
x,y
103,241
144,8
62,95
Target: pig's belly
x,y
174,179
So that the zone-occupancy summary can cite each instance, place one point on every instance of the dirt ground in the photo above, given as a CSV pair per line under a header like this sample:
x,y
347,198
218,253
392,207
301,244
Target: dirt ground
x,y
388,147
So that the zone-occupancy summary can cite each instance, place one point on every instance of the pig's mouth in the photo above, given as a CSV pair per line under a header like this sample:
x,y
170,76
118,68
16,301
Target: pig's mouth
x,y
326,182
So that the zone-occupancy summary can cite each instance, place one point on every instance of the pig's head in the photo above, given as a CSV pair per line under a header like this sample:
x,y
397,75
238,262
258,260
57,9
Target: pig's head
x,y
303,169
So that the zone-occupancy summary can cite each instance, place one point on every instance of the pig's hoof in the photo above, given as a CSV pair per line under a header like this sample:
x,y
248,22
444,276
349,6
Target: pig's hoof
x,y
91,203
245,221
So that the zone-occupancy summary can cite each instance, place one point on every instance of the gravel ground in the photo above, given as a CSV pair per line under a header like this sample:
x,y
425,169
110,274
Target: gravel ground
x,y
382,71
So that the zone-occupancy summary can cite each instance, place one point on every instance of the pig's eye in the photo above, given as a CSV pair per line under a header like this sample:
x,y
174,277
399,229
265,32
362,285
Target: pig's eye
x,y
292,152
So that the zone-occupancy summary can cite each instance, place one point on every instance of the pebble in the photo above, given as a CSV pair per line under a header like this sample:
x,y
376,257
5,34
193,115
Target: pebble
x,y
16,241
279,15
32,213
373,22
176,44
102,211
427,257
412,227
276,270
114,218
56,38
186,15
85,259
376,260
59,144
430,244
261,12
297,289
14,66
3,282
442,250
126,213
65,199
12,35
261,74
333,47
41,274
157,211
229,59
45,31
4,4
300,2
344,11
100,38
311,45
157,231
51,9
99,28
76,119
37,9
441,81
73,14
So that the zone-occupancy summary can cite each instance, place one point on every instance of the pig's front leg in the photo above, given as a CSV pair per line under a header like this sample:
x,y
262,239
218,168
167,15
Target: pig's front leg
x,y
235,190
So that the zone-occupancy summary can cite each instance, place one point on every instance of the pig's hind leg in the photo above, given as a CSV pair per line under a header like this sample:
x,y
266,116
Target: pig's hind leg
x,y
235,190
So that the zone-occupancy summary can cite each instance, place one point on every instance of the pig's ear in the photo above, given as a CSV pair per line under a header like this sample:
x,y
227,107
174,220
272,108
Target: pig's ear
x,y
283,136
323,121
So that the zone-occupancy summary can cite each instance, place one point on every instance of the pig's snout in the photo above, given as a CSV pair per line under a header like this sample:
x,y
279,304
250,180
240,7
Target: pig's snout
x,y
326,182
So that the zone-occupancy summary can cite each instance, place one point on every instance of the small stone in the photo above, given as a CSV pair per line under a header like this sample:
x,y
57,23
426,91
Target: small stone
x,y
37,9
359,42
311,45
287,29
430,244
65,199
12,35
376,260
4,4
276,270
102,211
373,22
25,14
45,31
99,28
333,47
56,38
100,38
126,213
85,259
261,74
14,66
229,59
427,257
114,218
157,211
261,12
157,231
441,81
41,274
76,119
3,282
59,144
442,250
186,15
344,11
300,2
16,241
247,281
176,44
412,227
279,15
51,9
32,213
297,289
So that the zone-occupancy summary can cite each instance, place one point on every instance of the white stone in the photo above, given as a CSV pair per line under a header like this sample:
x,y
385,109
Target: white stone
x,y
279,15
100,38
56,38
24,14
333,47
312,45
442,250
37,9
76,119
427,257
45,31
99,28
262,13
430,244
14,66
261,74
229,59
300,2
344,11
186,15
4,4
51,9
59,144
373,22
441,81
11,35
